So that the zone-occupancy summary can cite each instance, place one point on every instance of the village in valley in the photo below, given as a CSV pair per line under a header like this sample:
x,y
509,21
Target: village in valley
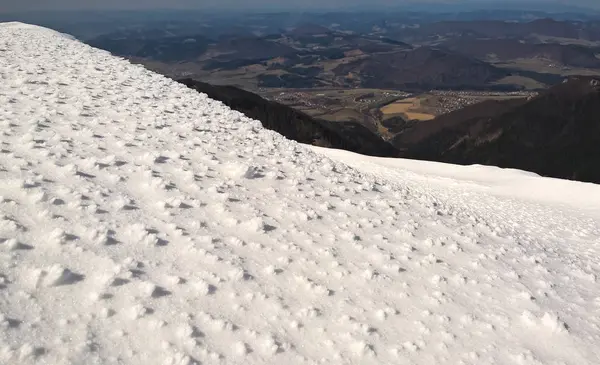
x,y
374,106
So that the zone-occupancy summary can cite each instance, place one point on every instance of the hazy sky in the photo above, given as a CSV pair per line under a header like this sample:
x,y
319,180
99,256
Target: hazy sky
x,y
18,5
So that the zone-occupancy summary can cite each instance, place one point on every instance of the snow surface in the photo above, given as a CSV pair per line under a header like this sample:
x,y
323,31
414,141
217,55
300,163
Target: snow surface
x,y
143,223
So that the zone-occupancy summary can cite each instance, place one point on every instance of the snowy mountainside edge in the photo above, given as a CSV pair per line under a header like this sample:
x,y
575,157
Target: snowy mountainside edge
x,y
144,223
25,26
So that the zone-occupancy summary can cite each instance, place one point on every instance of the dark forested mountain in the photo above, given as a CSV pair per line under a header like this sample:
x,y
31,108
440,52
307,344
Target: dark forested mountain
x,y
515,49
296,125
421,68
555,134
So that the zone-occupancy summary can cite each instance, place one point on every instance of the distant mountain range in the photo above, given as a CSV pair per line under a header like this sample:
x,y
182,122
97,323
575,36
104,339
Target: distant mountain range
x,y
505,50
501,29
447,55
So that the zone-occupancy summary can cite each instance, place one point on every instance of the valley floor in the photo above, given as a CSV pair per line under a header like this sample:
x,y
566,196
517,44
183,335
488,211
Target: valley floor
x,y
143,223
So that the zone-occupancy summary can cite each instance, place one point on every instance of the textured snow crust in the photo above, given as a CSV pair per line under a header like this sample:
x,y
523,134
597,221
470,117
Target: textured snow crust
x,y
143,223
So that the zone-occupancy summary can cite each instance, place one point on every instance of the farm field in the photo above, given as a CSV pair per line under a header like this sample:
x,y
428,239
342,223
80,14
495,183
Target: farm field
x,y
409,108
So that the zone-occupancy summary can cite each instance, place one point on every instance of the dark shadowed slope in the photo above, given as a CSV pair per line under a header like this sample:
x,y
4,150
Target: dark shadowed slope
x,y
555,134
420,131
296,125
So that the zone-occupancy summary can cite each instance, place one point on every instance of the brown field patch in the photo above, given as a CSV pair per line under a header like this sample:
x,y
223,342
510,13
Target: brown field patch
x,y
410,108
419,116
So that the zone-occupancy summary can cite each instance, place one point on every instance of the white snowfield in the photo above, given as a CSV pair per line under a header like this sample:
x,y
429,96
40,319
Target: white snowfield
x,y
143,223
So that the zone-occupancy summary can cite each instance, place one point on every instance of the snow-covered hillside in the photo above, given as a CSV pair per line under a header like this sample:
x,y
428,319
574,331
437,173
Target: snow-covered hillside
x,y
142,223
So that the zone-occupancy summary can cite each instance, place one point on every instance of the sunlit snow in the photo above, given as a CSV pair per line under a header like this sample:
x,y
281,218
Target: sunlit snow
x,y
143,223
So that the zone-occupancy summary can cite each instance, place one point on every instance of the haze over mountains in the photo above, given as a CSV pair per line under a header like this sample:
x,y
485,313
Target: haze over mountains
x,y
451,55
323,5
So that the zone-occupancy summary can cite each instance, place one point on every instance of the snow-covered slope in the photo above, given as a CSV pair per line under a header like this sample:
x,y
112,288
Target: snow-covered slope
x,y
142,223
